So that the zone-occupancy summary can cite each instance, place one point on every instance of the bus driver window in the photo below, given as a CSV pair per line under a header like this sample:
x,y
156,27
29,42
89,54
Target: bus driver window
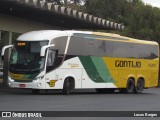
x,y
51,59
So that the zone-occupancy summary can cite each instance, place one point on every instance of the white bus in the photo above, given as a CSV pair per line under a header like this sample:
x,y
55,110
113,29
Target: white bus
x,y
68,60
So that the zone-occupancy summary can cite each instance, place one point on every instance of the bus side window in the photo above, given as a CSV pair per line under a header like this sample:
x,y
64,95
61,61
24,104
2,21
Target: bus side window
x,y
52,54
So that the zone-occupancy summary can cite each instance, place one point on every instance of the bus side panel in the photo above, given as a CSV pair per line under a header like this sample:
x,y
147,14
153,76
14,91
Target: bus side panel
x,y
154,76
71,67
63,73
95,73
133,68
51,80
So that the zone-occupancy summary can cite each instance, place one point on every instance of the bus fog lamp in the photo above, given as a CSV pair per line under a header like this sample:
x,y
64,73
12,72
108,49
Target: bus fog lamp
x,y
39,84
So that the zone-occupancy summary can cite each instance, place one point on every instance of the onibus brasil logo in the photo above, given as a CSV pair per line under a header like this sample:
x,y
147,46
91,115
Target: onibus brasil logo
x,y
21,114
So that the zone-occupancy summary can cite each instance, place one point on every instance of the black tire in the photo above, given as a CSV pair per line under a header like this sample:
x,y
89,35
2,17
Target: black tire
x,y
139,86
67,86
130,86
35,91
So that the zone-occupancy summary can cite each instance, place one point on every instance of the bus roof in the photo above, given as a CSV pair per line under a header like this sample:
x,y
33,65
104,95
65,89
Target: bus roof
x,y
51,34
125,39
41,35
47,34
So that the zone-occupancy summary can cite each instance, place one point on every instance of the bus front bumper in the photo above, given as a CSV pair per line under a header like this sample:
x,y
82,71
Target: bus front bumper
x,y
35,84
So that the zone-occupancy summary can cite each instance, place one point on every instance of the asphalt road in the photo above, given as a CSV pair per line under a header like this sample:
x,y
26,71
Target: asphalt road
x,y
83,100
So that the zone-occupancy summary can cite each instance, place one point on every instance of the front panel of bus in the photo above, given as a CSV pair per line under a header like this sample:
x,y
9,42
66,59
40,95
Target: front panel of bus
x,y
27,69
26,66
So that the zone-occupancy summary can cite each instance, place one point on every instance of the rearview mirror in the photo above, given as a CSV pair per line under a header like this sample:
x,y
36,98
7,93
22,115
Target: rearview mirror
x,y
43,49
4,49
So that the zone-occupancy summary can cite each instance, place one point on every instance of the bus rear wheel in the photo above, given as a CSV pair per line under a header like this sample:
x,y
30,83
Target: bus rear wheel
x,y
68,86
129,87
139,86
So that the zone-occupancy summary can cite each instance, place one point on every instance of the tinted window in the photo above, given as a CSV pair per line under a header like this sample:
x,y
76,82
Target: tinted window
x,y
133,50
91,46
77,46
119,49
147,51
60,44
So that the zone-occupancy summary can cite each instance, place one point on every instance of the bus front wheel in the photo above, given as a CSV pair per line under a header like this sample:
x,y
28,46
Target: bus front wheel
x,y
68,85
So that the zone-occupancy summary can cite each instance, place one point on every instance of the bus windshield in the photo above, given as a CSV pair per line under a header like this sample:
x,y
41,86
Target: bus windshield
x,y
25,57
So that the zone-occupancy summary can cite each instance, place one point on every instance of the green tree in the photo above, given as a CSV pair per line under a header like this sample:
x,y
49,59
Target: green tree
x,y
141,21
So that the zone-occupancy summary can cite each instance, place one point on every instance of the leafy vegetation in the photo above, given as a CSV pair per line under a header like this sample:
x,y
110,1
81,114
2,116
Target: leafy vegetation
x,y
141,21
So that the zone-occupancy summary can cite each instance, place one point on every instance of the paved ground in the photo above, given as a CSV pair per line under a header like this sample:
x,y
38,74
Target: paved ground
x,y
84,100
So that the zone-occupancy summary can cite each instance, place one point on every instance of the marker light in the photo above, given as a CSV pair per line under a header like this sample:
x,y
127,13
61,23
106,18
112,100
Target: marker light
x,y
21,44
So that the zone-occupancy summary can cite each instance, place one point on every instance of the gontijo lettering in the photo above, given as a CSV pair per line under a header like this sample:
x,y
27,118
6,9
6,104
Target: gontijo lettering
x,y
134,64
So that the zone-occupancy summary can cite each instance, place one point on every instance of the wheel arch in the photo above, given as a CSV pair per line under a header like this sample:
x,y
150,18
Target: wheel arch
x,y
133,78
72,80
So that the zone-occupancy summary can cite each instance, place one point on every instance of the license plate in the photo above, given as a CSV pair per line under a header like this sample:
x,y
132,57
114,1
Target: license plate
x,y
22,85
